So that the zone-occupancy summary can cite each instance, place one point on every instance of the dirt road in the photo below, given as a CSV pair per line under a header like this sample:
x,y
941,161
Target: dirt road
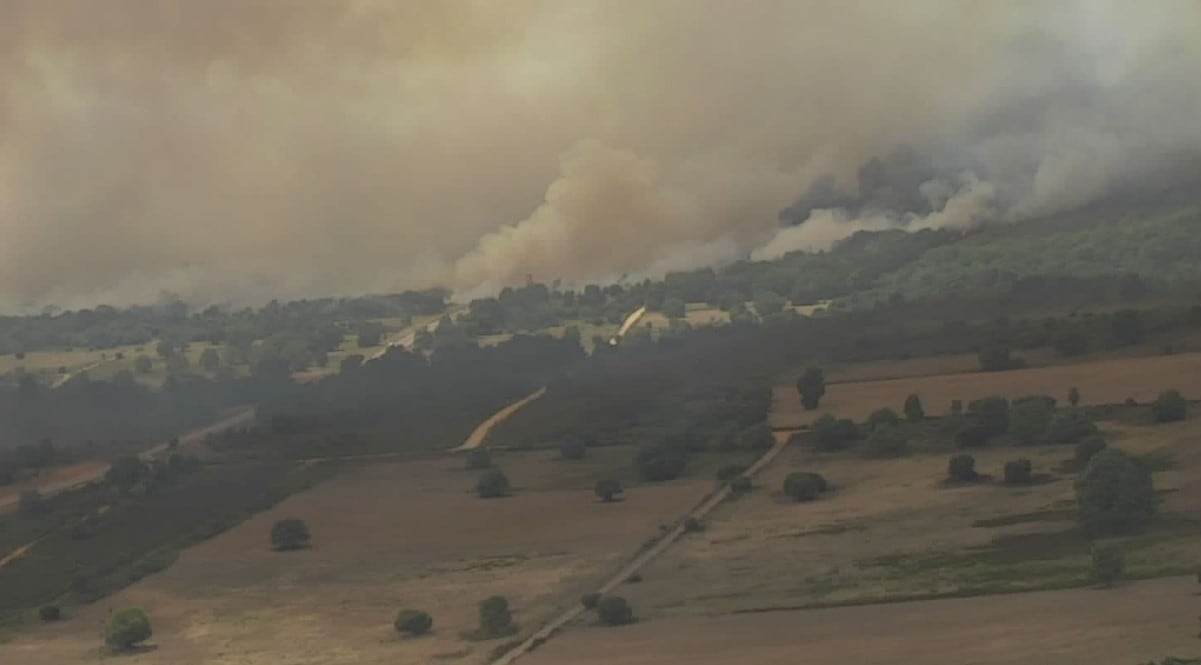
x,y
707,504
92,471
480,433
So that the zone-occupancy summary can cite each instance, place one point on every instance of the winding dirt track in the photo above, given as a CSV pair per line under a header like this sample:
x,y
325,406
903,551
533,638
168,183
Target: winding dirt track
x,y
706,505
480,433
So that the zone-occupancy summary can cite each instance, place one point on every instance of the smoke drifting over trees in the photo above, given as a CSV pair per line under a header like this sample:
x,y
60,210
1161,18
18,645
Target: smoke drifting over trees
x,y
236,151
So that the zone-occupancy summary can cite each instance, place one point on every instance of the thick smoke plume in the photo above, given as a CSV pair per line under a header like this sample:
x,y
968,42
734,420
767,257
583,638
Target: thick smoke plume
x,y
237,150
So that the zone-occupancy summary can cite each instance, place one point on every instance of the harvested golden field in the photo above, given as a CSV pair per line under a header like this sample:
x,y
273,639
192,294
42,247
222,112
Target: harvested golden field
x,y
386,537
1100,382
1131,624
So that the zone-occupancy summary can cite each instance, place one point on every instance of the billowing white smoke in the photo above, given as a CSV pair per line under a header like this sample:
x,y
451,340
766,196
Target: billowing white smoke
x,y
235,151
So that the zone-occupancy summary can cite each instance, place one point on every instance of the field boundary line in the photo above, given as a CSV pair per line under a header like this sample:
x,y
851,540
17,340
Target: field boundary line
x,y
706,505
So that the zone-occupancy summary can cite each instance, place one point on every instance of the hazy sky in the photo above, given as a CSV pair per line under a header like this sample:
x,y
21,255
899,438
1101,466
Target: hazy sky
x,y
237,150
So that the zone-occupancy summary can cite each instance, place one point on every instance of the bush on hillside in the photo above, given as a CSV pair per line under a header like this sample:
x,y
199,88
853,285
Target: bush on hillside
x,y
1019,472
1114,494
607,488
885,417
495,618
833,434
914,410
887,441
1170,407
590,600
127,628
290,534
803,486
49,613
1086,449
1070,426
962,468
413,622
492,485
614,611
756,437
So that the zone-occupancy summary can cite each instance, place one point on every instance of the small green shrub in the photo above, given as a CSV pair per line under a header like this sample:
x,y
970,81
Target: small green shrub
x,y
290,534
495,618
590,600
962,468
1019,472
49,613
127,628
802,486
492,485
1170,407
607,489
614,611
1070,426
413,622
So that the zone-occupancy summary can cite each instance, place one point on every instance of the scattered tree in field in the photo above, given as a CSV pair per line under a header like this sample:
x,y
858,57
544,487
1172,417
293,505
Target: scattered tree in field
x,y
812,387
1086,449
1114,494
834,434
884,417
492,485
607,489
143,364
887,441
962,469
127,628
1074,396
164,348
573,448
802,486
1170,407
479,458
1070,426
914,411
413,622
1019,472
290,534
210,360
693,525
49,613
590,600
1108,564
495,618
614,611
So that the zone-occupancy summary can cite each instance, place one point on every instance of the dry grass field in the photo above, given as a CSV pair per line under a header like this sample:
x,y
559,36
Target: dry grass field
x,y
891,530
1124,626
1100,382
386,537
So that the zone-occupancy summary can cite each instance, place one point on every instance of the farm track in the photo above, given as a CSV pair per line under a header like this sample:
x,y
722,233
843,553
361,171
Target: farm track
x,y
706,505
480,433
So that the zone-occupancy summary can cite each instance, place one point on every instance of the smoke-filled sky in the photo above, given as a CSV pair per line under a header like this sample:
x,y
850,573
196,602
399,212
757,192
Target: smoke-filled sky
x,y
237,150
